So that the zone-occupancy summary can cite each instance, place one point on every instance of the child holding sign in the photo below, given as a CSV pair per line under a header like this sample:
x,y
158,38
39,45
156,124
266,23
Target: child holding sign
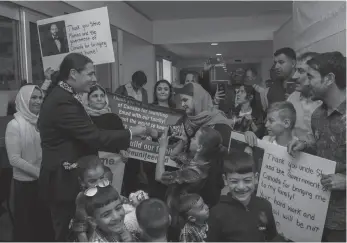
x,y
240,215
281,117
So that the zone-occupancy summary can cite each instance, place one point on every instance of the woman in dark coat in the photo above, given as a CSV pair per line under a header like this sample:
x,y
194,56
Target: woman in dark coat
x,y
68,133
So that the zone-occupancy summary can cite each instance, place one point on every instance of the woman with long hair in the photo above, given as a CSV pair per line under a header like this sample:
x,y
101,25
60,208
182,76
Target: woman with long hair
x,y
68,133
163,94
24,151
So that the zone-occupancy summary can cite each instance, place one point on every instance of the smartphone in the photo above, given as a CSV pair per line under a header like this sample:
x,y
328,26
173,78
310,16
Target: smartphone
x,y
221,87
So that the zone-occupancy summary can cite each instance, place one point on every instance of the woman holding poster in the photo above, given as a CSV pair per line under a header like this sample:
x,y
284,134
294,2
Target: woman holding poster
x,y
68,133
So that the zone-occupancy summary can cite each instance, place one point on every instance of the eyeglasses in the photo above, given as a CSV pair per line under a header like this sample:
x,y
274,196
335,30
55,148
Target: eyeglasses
x,y
91,191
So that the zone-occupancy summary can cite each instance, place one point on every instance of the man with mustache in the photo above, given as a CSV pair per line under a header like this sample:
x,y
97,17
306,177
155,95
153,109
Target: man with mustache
x,y
301,97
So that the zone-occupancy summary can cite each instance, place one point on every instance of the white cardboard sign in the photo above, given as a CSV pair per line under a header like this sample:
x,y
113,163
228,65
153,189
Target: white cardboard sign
x,y
292,186
87,32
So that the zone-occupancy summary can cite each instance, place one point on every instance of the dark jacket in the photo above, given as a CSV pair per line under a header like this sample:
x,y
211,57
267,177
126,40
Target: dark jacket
x,y
67,134
230,220
49,48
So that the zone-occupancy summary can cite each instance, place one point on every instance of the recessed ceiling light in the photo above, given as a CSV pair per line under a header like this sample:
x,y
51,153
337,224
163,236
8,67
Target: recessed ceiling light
x,y
218,54
214,44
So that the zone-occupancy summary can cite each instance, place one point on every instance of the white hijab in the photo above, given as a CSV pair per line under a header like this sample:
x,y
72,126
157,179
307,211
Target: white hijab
x,y
30,137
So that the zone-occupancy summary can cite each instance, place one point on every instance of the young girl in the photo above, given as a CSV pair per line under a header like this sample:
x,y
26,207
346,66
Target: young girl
x,y
194,165
200,169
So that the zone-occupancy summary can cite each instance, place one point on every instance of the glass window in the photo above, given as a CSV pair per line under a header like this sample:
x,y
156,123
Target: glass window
x,y
167,71
9,54
37,71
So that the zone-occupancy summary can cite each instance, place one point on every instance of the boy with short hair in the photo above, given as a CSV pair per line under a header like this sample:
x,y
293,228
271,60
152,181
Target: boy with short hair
x,y
154,219
105,210
91,172
240,215
195,213
281,117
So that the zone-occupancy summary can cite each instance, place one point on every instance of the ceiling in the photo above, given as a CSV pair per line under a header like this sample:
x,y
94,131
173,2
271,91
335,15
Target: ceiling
x,y
229,50
170,10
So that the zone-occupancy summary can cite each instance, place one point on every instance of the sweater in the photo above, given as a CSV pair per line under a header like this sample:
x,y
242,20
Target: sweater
x,y
230,220
26,164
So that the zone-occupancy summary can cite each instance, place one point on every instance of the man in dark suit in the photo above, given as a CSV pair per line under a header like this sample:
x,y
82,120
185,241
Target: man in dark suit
x,y
67,134
54,43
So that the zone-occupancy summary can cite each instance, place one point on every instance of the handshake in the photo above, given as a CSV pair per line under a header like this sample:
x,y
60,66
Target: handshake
x,y
143,131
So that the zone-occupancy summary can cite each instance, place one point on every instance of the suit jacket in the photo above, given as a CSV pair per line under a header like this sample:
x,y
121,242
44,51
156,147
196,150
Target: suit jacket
x,y
49,47
67,134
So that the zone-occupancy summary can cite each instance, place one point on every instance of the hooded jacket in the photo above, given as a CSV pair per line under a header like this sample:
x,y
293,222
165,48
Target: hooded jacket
x,y
230,220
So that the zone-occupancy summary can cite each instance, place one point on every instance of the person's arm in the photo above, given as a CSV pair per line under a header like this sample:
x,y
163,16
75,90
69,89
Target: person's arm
x,y
160,166
13,147
73,120
306,144
80,223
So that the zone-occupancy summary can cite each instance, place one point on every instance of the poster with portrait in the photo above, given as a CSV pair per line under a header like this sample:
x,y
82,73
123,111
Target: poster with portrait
x,y
87,32
292,186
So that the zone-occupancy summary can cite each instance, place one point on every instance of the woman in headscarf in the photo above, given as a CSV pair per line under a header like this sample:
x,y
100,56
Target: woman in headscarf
x,y
98,108
200,112
24,151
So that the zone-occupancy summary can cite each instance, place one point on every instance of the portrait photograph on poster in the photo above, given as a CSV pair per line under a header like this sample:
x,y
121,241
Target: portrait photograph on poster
x,y
53,38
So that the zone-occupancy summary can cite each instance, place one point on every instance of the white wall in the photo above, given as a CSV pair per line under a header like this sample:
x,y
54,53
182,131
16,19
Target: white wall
x,y
139,55
217,29
320,26
283,37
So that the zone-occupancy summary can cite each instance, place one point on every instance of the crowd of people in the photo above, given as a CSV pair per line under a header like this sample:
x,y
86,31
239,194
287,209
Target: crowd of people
x,y
63,191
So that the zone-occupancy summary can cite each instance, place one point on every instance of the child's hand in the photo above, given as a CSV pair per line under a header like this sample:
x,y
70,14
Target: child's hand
x,y
124,155
251,138
164,139
125,234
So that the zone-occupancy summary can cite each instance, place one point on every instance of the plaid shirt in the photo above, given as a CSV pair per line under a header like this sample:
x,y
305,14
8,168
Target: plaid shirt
x,y
329,131
190,171
193,233
98,236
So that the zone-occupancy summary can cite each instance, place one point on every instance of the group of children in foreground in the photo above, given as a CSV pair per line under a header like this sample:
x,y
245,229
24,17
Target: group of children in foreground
x,y
103,215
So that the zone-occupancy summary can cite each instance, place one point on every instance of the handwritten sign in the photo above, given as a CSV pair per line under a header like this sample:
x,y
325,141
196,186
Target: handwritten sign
x,y
115,163
87,32
292,186
134,113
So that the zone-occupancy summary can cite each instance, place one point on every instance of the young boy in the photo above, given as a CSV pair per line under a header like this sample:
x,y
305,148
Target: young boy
x,y
105,211
195,212
91,172
154,219
240,215
281,117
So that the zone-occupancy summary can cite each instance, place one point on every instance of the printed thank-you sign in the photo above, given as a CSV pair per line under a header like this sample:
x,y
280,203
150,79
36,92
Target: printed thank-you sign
x,y
87,32
115,163
293,187
134,112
